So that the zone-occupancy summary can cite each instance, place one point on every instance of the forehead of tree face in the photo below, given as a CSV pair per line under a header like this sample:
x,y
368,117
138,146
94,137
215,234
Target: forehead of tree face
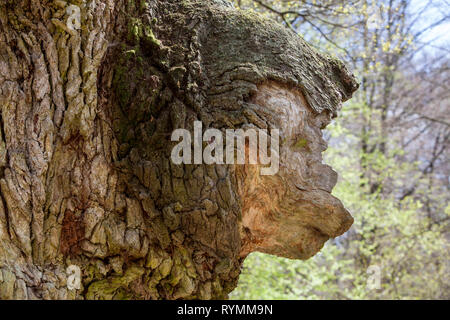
x,y
241,48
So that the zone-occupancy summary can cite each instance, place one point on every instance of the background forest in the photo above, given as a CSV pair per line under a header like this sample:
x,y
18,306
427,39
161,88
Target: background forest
x,y
390,148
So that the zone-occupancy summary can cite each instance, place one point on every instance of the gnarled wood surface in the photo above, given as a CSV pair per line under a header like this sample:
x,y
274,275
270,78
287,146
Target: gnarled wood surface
x,y
85,171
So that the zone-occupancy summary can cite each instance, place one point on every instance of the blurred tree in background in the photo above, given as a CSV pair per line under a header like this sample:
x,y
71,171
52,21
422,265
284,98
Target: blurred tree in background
x,y
390,147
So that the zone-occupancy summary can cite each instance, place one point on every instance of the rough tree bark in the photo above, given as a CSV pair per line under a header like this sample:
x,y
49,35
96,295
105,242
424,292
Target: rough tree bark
x,y
85,171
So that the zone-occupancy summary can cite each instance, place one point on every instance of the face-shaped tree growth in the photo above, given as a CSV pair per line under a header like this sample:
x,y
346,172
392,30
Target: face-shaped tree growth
x,y
87,177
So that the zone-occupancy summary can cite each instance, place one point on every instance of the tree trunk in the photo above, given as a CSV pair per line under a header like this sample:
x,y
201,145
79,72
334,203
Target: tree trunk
x,y
86,178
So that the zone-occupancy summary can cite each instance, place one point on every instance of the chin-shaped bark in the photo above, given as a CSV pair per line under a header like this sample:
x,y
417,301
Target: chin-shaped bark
x,y
86,176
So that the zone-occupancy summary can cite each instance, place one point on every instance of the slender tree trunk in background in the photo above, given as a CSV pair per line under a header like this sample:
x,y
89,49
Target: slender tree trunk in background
x,y
85,176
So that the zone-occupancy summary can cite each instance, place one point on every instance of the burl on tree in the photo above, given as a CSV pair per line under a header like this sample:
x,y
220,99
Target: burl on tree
x,y
86,178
